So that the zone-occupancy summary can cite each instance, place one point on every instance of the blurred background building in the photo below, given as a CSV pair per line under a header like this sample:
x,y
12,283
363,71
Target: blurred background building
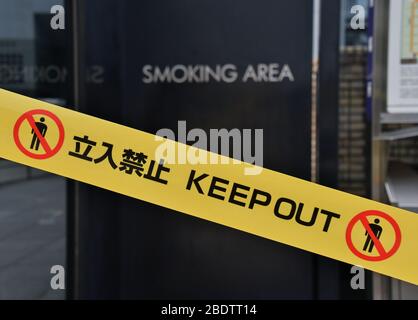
x,y
33,62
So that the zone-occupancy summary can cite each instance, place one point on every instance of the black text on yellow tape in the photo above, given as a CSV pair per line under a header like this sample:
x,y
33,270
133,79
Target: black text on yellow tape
x,y
271,205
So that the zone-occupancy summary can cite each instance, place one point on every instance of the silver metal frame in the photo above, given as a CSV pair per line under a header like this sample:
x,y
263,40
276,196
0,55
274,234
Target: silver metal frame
x,y
381,284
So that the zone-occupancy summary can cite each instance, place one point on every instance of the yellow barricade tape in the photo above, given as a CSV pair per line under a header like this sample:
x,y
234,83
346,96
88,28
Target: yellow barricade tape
x,y
271,205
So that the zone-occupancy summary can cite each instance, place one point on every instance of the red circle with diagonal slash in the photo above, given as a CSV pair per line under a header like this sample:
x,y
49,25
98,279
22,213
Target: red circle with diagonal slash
x,y
49,151
383,253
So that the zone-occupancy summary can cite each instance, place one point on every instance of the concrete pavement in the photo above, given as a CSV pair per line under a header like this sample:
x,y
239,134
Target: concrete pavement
x,y
32,237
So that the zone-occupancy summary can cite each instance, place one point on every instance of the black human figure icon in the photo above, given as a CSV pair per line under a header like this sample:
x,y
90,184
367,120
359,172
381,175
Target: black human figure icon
x,y
377,230
42,128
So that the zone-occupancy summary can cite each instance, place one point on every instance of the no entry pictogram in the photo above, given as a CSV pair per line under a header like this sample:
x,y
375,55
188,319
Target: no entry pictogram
x,y
38,140
373,233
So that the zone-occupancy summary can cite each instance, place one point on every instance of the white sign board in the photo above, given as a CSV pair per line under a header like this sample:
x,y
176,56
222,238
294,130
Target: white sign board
x,y
402,84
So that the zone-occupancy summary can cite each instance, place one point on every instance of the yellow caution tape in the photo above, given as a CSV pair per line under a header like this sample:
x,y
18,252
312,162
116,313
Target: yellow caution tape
x,y
271,205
